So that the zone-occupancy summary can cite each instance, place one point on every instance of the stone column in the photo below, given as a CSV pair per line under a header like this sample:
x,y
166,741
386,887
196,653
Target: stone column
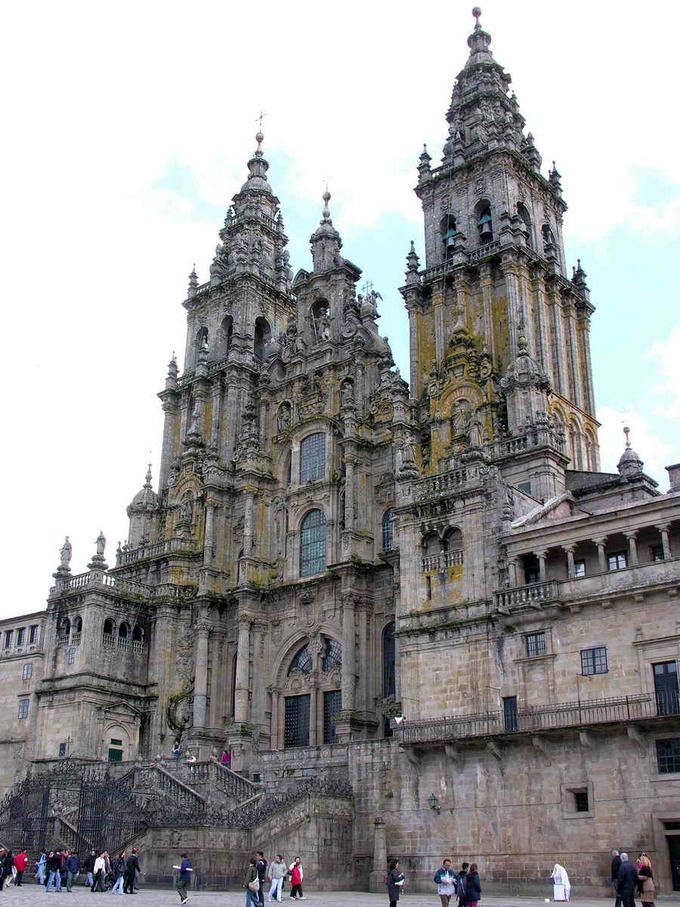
x,y
438,313
231,411
514,303
348,652
201,679
209,536
241,693
571,568
376,881
248,523
171,411
542,557
512,571
274,732
665,541
631,535
349,493
362,639
216,412
601,555
313,698
413,344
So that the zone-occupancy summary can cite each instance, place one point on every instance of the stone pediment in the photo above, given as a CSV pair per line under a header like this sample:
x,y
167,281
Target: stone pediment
x,y
114,709
556,509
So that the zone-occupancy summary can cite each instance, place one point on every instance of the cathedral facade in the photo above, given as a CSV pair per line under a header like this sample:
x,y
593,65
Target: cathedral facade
x,y
428,590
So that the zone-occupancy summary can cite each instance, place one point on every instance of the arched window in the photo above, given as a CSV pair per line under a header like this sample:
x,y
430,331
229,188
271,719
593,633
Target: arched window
x,y
313,543
332,656
313,457
431,544
388,530
548,237
388,654
78,625
448,232
226,332
109,627
262,334
484,222
526,224
137,633
453,540
123,631
302,662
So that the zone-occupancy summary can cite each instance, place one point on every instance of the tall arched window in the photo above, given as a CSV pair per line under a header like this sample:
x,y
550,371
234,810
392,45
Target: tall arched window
x,y
201,339
484,222
302,661
388,530
388,651
109,627
226,331
448,231
123,631
313,457
526,224
332,656
262,334
313,543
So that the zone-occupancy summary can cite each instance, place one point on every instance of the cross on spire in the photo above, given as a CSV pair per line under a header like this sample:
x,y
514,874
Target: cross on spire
x,y
260,118
367,287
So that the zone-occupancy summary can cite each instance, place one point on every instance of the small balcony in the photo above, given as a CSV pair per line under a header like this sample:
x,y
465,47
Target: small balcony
x,y
619,710
533,594
437,562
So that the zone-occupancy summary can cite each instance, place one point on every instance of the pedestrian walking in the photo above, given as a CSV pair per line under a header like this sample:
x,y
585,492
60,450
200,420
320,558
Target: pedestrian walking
x,y
9,867
626,881
184,878
53,871
132,867
40,871
616,862
394,880
72,870
252,885
261,866
98,873
461,883
473,888
296,877
3,853
176,751
225,758
561,883
20,864
276,873
88,867
445,879
647,887
118,872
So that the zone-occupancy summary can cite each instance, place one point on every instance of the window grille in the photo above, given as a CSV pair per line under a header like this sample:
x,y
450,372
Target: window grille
x,y
617,561
332,656
33,635
332,703
535,643
579,568
313,458
296,728
388,660
388,530
302,662
20,636
313,544
668,755
23,708
27,672
594,661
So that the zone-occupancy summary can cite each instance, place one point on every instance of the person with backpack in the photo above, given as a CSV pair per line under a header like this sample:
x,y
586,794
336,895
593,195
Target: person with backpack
x,y
473,888
251,884
394,880
460,884
445,879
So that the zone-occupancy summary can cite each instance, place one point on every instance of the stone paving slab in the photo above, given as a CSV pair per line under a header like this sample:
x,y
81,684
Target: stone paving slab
x,y
30,895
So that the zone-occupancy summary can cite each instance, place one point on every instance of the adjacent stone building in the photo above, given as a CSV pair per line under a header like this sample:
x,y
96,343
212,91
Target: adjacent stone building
x,y
427,590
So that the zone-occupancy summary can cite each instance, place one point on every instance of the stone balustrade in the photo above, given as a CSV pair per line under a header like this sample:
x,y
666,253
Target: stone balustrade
x,y
530,594
441,561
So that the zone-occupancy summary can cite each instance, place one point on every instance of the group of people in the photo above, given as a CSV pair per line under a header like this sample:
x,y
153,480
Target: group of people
x,y
12,867
260,873
632,879
463,884
57,869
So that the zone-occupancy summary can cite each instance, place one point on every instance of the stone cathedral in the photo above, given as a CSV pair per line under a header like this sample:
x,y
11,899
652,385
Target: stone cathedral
x,y
417,615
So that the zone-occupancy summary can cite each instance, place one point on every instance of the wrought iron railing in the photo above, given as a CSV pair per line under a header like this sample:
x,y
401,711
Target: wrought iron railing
x,y
613,710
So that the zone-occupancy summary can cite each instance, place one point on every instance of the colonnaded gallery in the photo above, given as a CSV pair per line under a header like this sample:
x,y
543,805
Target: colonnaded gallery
x,y
418,616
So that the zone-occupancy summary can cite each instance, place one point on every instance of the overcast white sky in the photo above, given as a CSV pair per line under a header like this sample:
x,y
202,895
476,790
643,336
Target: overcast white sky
x,y
127,127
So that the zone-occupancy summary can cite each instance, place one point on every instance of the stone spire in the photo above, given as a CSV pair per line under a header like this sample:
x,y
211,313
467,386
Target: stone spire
x,y
193,282
482,115
252,238
325,241
630,465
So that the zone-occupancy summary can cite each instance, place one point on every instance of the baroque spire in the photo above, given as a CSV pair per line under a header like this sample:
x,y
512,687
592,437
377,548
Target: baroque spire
x,y
326,242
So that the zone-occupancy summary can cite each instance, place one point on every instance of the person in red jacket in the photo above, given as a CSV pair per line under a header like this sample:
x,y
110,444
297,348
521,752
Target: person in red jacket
x,y
20,862
296,877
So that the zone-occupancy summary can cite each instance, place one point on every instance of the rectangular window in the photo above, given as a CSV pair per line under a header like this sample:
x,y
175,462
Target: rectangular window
x,y
617,561
579,568
532,574
668,756
594,661
8,638
313,458
656,552
62,750
296,727
115,742
115,755
535,644
331,709
27,672
71,655
33,634
510,716
581,803
23,708
21,632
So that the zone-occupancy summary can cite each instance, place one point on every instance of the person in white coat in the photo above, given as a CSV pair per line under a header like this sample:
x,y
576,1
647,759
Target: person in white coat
x,y
561,884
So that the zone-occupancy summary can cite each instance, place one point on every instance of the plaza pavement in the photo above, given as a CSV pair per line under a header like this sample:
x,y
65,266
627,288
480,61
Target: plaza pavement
x,y
30,895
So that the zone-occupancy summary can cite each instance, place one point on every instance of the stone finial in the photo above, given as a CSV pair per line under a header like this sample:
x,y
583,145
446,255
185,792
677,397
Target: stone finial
x,y
555,180
476,12
412,260
193,282
630,465
424,169
147,477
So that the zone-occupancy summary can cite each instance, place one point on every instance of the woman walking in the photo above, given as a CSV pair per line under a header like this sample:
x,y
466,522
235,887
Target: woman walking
x,y
473,888
646,879
252,885
394,881
296,877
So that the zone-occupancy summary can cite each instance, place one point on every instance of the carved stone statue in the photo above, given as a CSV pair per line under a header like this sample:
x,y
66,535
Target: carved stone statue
x,y
283,417
65,554
100,542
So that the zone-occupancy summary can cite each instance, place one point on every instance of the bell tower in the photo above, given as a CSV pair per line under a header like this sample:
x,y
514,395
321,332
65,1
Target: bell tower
x,y
499,333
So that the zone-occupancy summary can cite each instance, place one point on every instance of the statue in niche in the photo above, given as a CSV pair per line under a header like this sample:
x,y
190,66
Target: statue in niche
x,y
476,431
346,393
283,418
321,322
461,418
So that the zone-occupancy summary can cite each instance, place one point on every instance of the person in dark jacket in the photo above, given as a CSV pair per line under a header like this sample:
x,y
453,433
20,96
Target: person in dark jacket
x,y
88,867
461,883
132,867
616,862
261,867
394,881
118,871
626,881
473,888
184,871
72,869
53,871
